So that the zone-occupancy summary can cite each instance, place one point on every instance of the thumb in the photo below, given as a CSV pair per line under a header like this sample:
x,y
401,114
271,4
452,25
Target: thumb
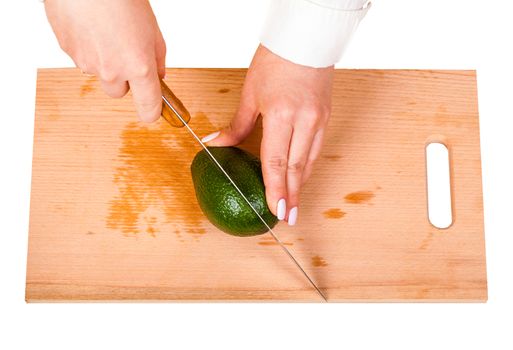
x,y
239,128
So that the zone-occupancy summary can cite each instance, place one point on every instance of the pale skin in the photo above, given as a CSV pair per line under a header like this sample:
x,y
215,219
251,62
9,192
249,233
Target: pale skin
x,y
120,42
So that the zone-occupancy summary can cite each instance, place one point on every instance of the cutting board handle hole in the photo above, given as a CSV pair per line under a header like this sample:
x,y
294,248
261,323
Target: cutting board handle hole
x,y
439,197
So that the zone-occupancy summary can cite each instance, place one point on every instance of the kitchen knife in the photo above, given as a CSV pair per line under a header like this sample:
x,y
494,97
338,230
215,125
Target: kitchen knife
x,y
175,113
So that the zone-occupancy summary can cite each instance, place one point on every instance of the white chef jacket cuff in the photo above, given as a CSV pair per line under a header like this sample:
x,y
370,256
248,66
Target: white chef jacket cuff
x,y
309,33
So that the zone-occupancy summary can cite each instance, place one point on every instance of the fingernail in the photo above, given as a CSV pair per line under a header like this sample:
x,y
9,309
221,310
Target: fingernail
x,y
282,208
293,216
211,136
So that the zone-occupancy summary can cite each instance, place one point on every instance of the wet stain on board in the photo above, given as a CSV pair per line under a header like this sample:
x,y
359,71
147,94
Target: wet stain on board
x,y
151,231
223,91
197,231
359,197
334,213
332,157
154,175
268,240
267,243
150,222
318,261
426,241
88,86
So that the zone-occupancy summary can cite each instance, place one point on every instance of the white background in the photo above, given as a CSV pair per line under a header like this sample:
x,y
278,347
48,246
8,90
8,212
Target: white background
x,y
458,34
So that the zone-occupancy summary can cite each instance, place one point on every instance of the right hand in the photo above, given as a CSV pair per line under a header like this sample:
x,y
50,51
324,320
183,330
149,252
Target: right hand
x,y
119,41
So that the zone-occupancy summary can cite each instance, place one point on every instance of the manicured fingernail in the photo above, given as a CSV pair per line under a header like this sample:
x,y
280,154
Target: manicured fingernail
x,y
282,208
292,216
211,136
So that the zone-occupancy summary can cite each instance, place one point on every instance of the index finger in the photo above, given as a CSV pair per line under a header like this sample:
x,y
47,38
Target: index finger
x,y
274,153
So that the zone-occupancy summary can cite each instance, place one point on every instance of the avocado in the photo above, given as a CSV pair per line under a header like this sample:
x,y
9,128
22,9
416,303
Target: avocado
x,y
218,198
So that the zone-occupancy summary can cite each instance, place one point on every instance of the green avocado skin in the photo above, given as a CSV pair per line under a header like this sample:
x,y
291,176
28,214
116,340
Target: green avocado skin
x,y
218,198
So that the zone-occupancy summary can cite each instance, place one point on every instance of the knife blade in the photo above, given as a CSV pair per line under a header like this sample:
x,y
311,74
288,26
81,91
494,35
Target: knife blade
x,y
176,114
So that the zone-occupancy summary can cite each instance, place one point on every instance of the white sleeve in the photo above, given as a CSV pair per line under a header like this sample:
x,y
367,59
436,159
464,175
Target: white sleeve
x,y
312,32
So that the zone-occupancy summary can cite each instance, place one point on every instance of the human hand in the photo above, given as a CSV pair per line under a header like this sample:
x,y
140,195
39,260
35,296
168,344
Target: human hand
x,y
117,40
295,103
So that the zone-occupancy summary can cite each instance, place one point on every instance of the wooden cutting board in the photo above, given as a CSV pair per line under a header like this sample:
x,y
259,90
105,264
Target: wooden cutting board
x,y
114,216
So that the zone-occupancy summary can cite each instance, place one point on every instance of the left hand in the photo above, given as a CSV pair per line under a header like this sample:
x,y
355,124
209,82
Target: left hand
x,y
295,103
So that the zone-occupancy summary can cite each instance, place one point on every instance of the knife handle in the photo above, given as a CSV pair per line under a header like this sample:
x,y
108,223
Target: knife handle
x,y
167,113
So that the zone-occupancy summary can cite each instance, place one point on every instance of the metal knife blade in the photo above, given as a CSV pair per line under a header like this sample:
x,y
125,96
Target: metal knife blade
x,y
276,238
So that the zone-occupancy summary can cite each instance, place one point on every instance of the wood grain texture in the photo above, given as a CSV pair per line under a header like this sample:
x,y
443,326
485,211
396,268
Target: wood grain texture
x,y
114,216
